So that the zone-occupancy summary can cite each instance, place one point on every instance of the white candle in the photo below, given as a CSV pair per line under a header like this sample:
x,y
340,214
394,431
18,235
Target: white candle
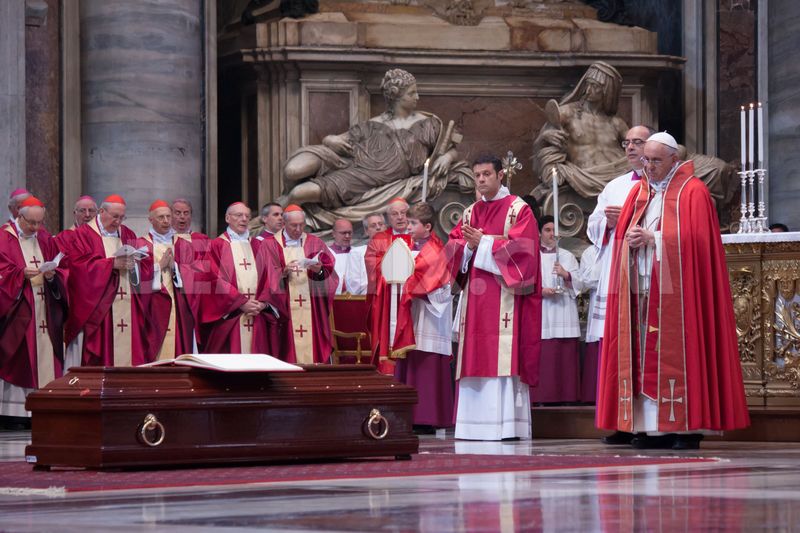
x,y
760,136
744,141
555,202
751,144
425,179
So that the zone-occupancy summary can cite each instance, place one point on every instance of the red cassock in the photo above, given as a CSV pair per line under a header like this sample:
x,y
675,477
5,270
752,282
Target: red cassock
x,y
184,302
220,316
94,285
501,316
18,347
379,302
320,288
691,363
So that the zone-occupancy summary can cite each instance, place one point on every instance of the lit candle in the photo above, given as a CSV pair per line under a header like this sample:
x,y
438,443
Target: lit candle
x,y
425,179
760,136
744,141
555,202
751,144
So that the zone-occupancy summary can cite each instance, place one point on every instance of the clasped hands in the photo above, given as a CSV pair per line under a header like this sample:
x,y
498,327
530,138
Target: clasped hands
x,y
472,236
252,307
638,237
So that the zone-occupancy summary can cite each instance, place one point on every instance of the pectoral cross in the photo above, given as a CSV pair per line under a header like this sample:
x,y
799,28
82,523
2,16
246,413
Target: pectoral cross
x,y
301,330
625,399
35,262
300,300
122,325
41,292
244,264
672,400
249,324
121,293
43,327
506,320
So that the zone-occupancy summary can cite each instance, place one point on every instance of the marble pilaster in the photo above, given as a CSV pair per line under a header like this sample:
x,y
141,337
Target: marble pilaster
x,y
142,90
12,98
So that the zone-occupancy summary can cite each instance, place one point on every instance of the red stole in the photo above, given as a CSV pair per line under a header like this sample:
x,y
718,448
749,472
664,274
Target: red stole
x,y
691,364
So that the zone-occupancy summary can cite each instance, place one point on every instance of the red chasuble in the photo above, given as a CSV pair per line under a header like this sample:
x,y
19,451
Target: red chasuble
x,y
431,272
378,302
180,326
223,327
123,321
501,316
691,365
24,322
306,338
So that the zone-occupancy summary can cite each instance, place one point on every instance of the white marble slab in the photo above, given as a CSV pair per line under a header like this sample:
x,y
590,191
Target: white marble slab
x,y
739,238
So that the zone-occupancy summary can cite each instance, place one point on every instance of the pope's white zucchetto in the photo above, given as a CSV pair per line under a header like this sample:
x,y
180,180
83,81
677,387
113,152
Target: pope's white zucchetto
x,y
664,138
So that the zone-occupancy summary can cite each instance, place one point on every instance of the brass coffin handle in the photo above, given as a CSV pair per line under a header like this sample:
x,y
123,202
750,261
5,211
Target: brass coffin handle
x,y
151,424
377,426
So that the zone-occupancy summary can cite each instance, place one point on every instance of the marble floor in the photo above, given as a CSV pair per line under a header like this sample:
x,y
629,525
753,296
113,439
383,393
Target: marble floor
x,y
755,487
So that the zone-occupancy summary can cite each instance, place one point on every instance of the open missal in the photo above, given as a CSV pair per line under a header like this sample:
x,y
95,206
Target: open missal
x,y
231,362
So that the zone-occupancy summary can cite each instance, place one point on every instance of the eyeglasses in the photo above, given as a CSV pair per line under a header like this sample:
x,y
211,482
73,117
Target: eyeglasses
x,y
654,162
240,215
635,142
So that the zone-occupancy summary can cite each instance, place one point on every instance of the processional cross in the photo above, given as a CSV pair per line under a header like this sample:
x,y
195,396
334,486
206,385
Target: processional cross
x,y
510,167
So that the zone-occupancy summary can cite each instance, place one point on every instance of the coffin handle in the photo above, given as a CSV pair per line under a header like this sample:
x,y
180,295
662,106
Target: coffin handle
x,y
151,424
376,425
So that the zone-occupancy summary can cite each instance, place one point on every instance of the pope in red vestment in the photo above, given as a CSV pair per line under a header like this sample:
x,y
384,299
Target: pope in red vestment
x,y
670,361
243,309
33,304
123,321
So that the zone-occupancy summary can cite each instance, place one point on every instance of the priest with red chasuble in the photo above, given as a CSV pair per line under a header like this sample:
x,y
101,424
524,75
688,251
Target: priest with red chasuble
x,y
494,257
33,304
308,285
114,319
670,368
241,311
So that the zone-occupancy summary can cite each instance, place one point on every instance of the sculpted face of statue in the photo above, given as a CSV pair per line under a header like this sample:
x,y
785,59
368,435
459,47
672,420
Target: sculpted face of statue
x,y
400,92
786,288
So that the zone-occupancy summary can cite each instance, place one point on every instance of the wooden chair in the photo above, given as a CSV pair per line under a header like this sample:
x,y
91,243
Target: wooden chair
x,y
351,338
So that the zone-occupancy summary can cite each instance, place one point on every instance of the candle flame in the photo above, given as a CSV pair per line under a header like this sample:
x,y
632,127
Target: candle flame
x,y
752,105
742,108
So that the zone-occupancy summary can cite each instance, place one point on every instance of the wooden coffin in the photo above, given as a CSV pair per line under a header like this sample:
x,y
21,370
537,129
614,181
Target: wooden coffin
x,y
98,417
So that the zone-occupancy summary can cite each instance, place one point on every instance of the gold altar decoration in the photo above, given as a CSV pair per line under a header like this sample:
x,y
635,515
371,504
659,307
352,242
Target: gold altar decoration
x,y
764,285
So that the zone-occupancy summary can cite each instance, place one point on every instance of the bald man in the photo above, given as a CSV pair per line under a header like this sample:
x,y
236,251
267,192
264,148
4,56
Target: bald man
x,y
84,211
33,304
342,240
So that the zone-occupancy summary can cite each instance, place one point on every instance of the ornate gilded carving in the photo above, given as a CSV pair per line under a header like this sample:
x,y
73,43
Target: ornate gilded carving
x,y
781,324
747,309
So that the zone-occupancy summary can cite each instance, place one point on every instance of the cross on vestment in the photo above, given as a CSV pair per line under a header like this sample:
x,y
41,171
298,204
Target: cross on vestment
x,y
122,325
245,263
43,327
301,330
121,293
35,262
512,217
249,324
506,320
40,293
625,399
300,300
672,399
249,294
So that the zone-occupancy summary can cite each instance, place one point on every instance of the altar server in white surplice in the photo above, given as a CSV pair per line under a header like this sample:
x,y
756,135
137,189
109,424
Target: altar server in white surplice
x,y
590,275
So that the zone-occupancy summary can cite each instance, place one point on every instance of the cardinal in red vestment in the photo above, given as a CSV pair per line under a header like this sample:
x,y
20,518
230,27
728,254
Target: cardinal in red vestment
x,y
123,321
33,306
242,310
670,363
308,285
494,257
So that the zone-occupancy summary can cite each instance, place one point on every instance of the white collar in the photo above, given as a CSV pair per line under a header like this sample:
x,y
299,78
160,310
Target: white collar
x,y
502,193
237,236
661,186
162,239
292,242
103,231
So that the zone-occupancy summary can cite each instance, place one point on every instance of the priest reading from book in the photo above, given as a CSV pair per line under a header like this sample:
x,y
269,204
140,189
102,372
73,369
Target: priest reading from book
x,y
308,287
559,360
33,305
242,310
670,368
493,254
113,319
171,276
378,291
422,347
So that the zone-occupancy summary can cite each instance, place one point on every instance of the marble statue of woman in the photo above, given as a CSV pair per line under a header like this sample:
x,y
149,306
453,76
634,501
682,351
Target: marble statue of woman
x,y
357,172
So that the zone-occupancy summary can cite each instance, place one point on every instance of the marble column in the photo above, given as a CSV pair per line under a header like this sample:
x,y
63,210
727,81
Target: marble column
x,y
142,90
12,99
783,106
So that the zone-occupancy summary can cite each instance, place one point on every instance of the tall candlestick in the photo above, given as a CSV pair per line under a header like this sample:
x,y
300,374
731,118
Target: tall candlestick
x,y
555,202
760,136
751,145
425,179
744,141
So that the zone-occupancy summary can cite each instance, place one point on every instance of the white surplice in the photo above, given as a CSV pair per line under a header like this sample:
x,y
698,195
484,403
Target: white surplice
x,y
560,312
356,275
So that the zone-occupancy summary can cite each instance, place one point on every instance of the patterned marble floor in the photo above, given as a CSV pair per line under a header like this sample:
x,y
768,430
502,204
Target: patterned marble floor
x,y
756,487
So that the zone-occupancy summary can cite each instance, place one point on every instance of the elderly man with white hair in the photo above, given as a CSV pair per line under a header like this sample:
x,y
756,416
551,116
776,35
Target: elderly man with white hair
x,y
670,369
309,284
112,322
33,302
14,200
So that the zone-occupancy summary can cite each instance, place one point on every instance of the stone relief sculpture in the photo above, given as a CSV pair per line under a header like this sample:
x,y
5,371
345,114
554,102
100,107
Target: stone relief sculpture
x,y
358,171
787,321
582,142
